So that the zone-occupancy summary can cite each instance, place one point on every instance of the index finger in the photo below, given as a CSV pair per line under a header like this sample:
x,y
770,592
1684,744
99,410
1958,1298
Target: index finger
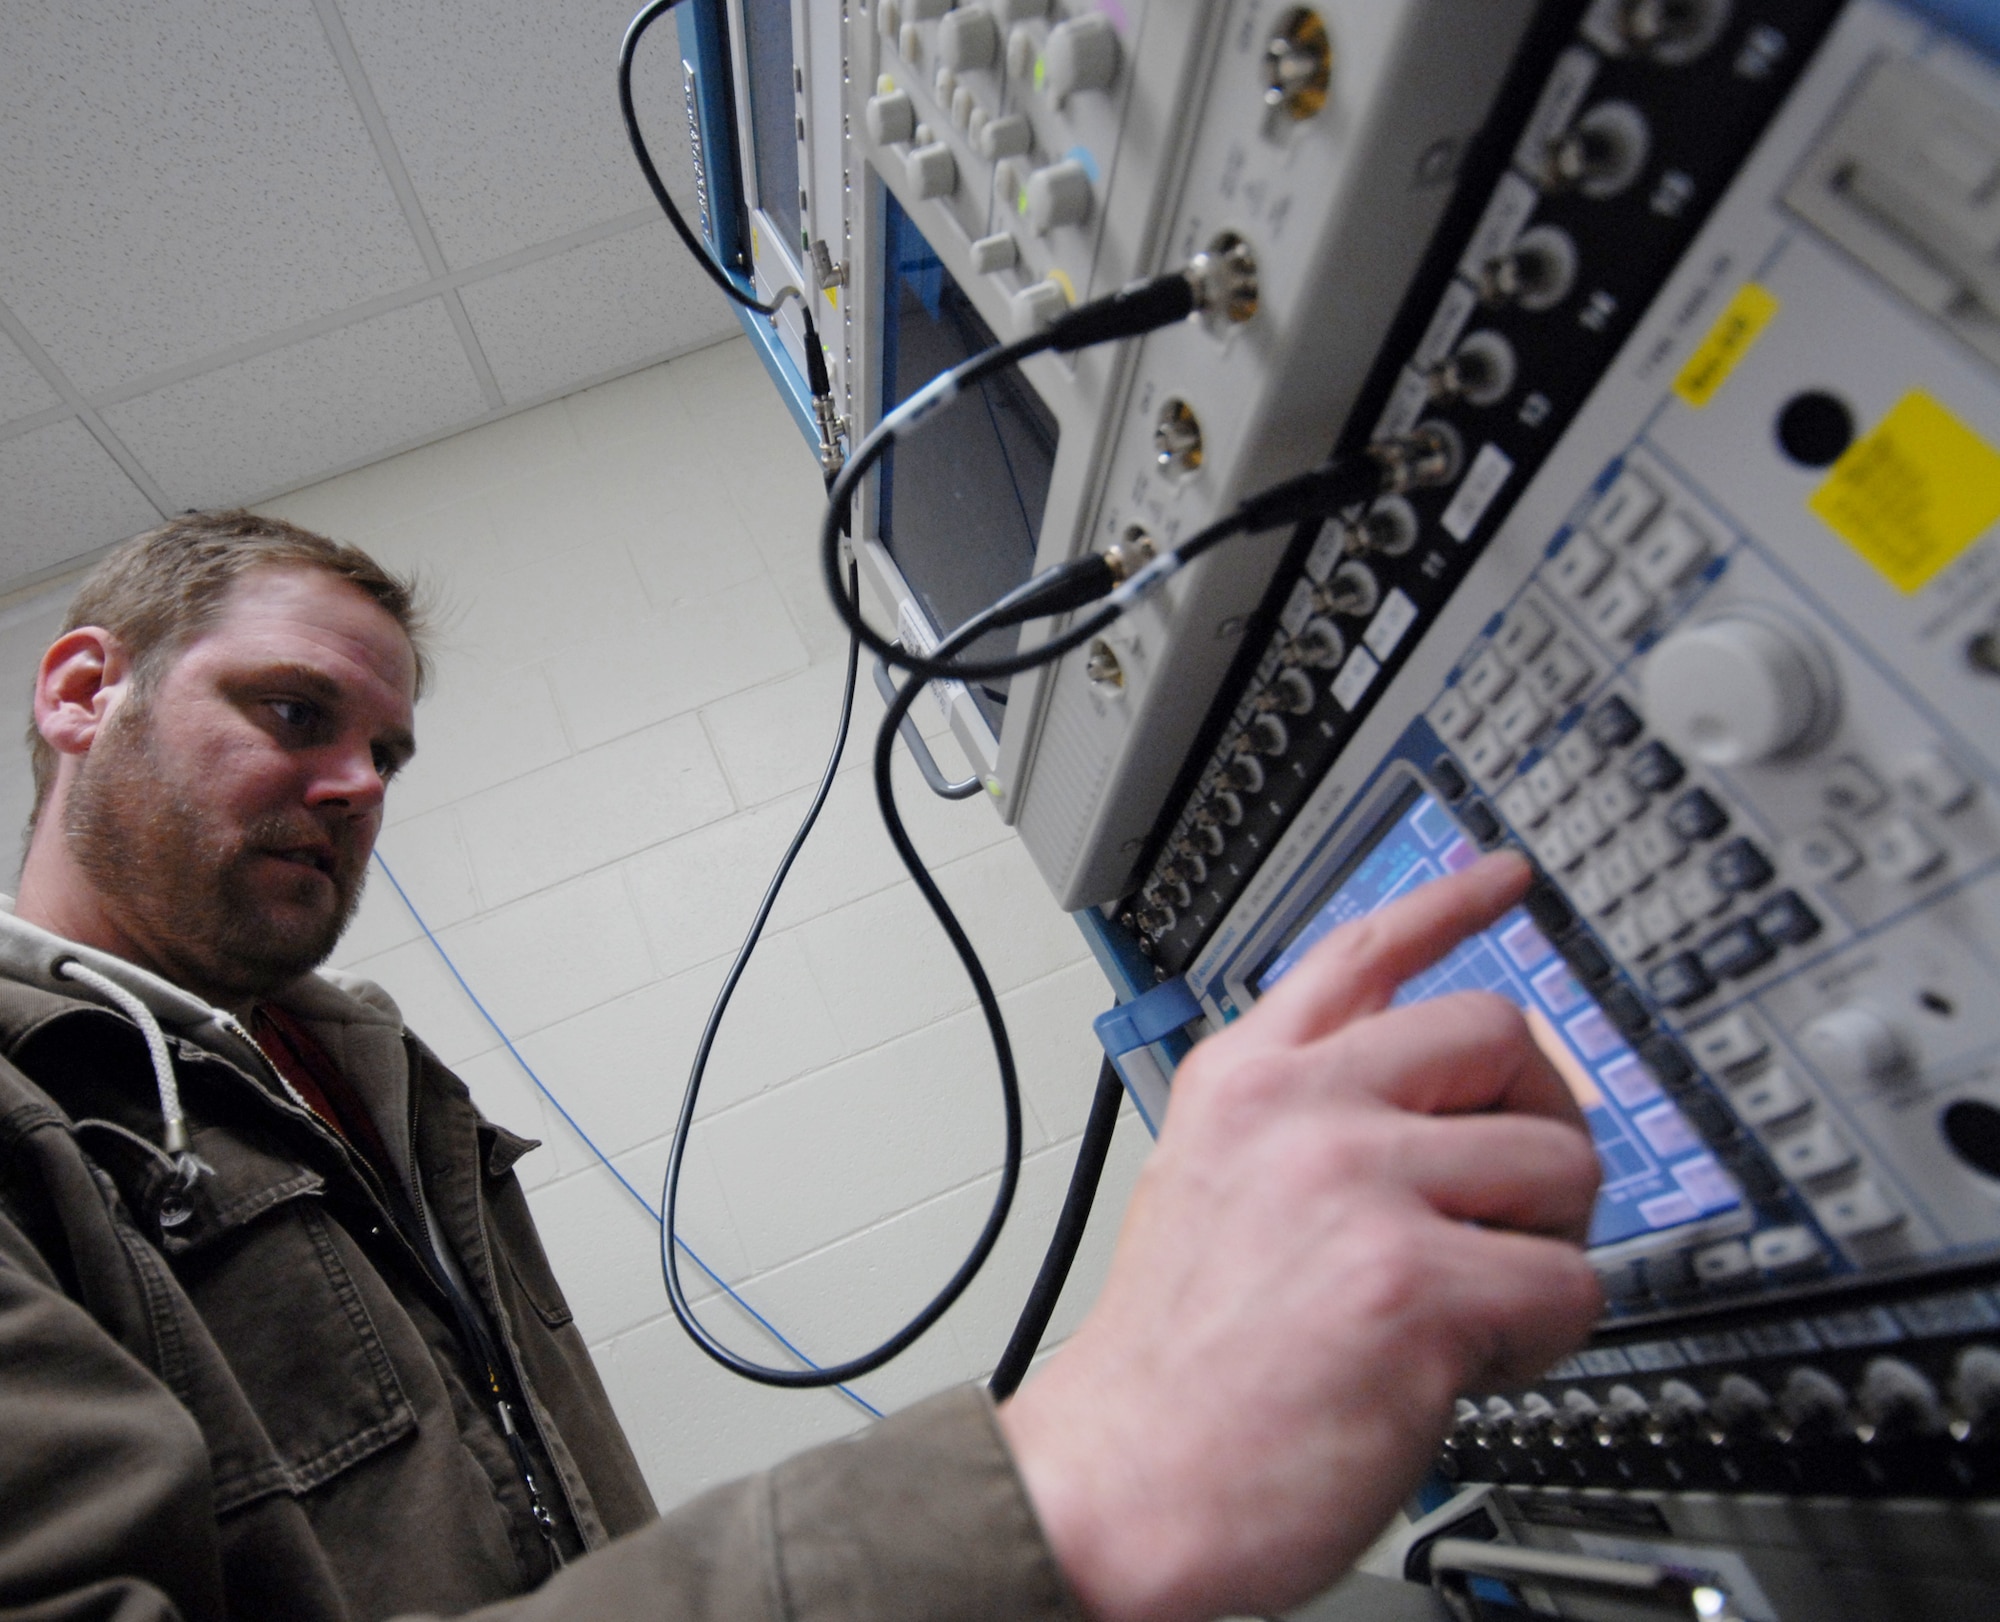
x,y
1360,966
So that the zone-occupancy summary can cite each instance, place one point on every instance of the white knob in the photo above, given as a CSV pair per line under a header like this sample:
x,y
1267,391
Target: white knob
x,y
1854,1047
1005,137
1034,307
932,170
1082,54
969,39
1058,195
1740,688
890,118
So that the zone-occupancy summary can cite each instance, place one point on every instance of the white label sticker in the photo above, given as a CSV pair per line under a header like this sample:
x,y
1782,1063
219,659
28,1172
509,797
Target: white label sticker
x,y
1392,619
1476,491
1407,401
1298,608
1354,678
1325,553
914,632
1453,311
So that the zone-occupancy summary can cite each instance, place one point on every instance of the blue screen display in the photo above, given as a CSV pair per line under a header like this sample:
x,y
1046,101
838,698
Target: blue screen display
x,y
1657,1172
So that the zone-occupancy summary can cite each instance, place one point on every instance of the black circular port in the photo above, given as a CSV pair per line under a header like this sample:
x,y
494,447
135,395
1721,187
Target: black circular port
x,y
1972,1128
1814,428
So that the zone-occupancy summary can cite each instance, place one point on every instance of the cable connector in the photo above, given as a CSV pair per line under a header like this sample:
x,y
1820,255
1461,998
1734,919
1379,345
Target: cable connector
x,y
1138,308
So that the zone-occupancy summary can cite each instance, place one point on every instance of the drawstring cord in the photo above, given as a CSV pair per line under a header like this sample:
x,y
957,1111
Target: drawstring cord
x,y
188,1164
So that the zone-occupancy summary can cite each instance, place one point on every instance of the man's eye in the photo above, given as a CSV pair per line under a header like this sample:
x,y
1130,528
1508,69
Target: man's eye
x,y
386,764
295,713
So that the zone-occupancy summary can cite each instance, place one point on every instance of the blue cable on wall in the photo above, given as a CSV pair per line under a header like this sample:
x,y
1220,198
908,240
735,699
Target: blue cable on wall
x,y
589,1143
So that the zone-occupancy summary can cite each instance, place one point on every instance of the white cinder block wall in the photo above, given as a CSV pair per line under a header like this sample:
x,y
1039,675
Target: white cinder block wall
x,y
635,689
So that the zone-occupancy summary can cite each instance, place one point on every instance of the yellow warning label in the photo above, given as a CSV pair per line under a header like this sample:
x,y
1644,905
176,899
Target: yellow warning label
x,y
1913,494
1728,341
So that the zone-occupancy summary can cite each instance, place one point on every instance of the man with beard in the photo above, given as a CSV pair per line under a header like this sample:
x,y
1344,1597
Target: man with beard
x,y
277,1338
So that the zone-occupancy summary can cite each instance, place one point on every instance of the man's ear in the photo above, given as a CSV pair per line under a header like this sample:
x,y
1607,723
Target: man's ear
x,y
84,676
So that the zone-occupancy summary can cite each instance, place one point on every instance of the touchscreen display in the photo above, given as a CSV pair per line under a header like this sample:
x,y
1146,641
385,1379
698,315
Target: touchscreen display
x,y
1657,1172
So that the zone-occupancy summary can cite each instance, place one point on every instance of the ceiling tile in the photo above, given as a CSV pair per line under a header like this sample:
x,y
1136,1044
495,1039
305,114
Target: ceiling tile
x,y
23,390
283,418
179,176
61,495
608,306
506,114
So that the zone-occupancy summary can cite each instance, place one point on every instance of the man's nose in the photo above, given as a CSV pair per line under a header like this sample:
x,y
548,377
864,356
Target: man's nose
x,y
348,775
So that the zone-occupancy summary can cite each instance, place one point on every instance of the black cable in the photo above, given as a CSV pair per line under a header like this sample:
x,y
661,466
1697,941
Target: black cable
x,y
1074,1217
649,15
998,614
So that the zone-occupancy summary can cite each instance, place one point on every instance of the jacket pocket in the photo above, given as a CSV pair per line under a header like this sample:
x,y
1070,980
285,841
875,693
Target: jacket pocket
x,y
513,1229
268,1271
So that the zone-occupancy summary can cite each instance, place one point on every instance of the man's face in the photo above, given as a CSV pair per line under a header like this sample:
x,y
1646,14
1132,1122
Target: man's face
x,y
226,817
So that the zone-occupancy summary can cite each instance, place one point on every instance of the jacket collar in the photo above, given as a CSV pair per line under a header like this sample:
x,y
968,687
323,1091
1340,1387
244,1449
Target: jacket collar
x,y
356,1021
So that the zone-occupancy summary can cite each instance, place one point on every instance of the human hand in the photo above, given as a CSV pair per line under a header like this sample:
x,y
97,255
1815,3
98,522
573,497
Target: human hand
x,y
1354,1213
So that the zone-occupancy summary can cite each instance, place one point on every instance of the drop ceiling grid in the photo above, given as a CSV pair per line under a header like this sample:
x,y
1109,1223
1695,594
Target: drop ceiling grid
x,y
257,243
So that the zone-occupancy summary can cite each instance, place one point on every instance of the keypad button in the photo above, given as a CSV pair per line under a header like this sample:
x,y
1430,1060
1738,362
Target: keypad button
x,y
1518,804
1753,1171
1817,1151
1625,508
1577,568
1786,1250
1519,716
1613,724
1934,782
1740,866
1852,789
1551,913
1787,919
1454,715
1586,959
1447,779
1662,919
1525,631
1664,1058
1696,815
1857,1211
1729,1043
1899,849
1669,1275
1486,678
1626,935
1549,782
1477,818
1669,552
1621,870
1822,853
1592,892
1616,800
1657,846
1735,951
1697,894
1578,753
1584,826
1679,981
1561,672
1719,1266
1623,1008
1619,608
1654,768
1553,847
1771,1096
1707,1116
1487,756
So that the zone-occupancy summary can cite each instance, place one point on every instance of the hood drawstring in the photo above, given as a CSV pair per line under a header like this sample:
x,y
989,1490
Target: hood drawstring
x,y
188,1164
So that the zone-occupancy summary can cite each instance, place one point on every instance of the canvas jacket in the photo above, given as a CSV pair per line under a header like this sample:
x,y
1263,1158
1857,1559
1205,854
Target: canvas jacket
x,y
252,1398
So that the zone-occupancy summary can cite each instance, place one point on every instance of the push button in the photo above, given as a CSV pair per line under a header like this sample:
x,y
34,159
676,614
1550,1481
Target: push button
x,y
1856,1212
1786,918
1486,678
1696,815
1447,779
1654,768
1739,866
1625,508
1619,608
1934,782
1735,951
1900,850
1577,568
1578,753
1852,789
1613,724
1728,1043
1771,1097
1560,673
1818,1151
1696,894
1786,1250
1525,632
1679,981
1719,1266
1822,854
1454,714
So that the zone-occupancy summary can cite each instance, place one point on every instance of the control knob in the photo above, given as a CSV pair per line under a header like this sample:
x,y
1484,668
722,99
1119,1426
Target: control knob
x,y
1036,306
1811,1404
1678,1413
932,170
1896,1400
1057,195
968,39
1081,54
891,118
1004,137
1742,1407
1743,687
1975,1392
1623,1411
1855,1048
